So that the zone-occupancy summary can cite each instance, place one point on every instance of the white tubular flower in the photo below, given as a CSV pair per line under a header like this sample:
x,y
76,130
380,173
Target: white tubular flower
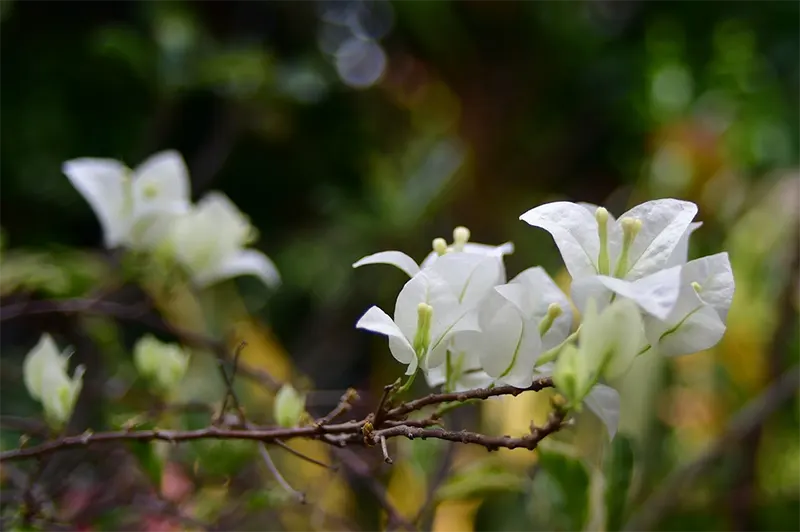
x,y
131,205
45,377
163,364
643,241
427,314
461,244
210,242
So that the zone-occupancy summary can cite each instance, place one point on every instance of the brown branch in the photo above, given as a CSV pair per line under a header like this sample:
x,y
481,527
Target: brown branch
x,y
481,393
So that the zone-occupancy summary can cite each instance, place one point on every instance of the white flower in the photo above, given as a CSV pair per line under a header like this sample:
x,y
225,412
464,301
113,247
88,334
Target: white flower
x,y
650,237
517,320
45,377
432,307
460,244
131,205
685,307
162,363
210,242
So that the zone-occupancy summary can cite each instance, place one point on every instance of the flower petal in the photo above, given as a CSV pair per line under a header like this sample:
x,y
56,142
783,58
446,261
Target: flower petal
x,y
377,321
700,330
574,230
681,252
245,262
395,258
470,277
161,183
541,292
102,183
664,223
656,294
715,276
604,402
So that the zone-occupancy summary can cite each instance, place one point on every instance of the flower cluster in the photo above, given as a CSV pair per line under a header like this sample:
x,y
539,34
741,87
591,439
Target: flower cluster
x,y
465,326
148,209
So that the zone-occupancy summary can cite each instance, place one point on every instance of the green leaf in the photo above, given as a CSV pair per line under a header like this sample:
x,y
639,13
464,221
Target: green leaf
x,y
618,469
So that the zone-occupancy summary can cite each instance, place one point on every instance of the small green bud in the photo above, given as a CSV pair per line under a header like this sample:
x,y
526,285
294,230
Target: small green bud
x,y
571,375
289,406
439,246
697,287
163,364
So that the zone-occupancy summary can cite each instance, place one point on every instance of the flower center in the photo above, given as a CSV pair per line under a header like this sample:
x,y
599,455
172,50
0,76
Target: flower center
x,y
601,215
423,337
630,228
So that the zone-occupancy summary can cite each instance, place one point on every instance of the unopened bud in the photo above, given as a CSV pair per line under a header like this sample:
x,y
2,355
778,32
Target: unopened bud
x,y
696,286
460,237
601,215
439,246
289,406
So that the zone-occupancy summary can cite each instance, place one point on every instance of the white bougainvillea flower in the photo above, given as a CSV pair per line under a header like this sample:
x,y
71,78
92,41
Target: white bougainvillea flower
x,y
534,293
685,307
162,363
697,321
426,316
461,244
641,242
515,321
130,203
210,242
45,377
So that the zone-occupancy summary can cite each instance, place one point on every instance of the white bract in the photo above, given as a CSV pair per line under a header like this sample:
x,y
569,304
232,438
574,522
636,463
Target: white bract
x,y
460,244
701,292
132,205
210,242
163,364
45,377
648,238
517,321
432,307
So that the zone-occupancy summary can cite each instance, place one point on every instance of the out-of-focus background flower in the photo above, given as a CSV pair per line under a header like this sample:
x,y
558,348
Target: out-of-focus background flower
x,y
345,128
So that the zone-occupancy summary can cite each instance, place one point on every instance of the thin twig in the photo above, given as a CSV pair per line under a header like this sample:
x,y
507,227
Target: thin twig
x,y
345,404
300,496
385,450
305,457
749,418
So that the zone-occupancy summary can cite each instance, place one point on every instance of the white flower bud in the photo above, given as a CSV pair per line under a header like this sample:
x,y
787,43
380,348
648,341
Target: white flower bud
x,y
164,365
289,406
